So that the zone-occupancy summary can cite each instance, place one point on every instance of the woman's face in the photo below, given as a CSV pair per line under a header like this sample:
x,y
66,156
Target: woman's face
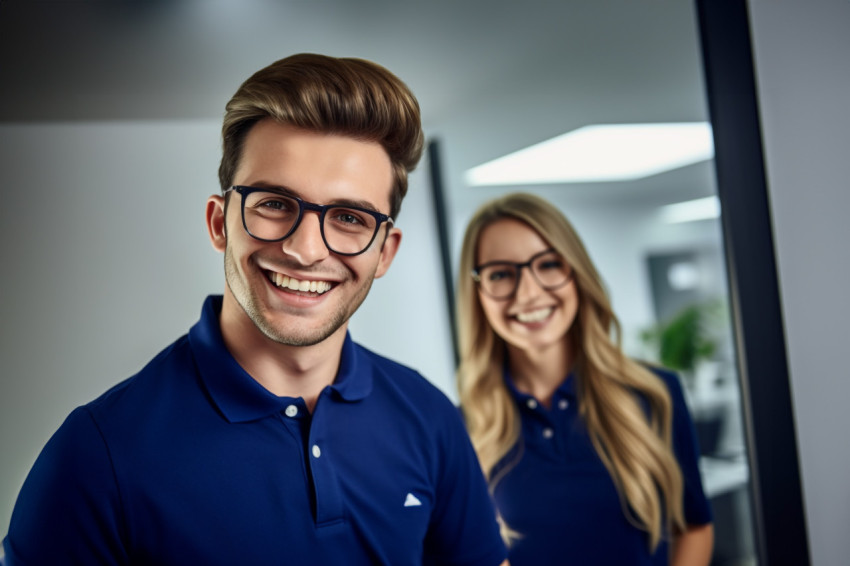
x,y
533,319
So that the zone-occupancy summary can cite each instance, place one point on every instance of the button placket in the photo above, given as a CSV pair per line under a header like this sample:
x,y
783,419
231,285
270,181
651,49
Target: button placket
x,y
327,492
563,417
542,419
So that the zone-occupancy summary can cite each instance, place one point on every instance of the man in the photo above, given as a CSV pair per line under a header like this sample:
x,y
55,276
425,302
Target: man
x,y
265,435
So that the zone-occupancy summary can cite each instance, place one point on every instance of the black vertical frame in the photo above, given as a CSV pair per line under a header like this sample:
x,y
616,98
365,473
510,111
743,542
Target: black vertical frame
x,y
780,527
441,215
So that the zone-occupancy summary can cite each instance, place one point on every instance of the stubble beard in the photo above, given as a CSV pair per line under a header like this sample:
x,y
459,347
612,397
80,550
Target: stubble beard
x,y
247,298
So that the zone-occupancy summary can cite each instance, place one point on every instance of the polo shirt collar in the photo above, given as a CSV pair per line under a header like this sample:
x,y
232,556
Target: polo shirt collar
x,y
237,395
354,379
567,388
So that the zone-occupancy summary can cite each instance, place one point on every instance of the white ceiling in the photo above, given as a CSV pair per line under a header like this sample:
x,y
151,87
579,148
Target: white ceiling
x,y
543,66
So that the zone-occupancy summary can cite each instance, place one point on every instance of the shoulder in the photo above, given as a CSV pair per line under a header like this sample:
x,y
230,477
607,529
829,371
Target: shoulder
x,y
672,384
69,493
668,376
158,373
74,463
670,379
164,391
83,438
75,439
392,376
683,427
406,399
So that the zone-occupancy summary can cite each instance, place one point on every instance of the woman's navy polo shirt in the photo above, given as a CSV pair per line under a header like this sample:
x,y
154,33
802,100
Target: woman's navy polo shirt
x,y
192,462
561,498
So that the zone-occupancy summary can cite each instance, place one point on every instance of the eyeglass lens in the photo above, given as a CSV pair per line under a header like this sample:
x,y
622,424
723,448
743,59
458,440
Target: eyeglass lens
x,y
272,216
500,280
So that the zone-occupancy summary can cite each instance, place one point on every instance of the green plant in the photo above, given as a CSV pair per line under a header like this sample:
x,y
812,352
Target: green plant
x,y
685,339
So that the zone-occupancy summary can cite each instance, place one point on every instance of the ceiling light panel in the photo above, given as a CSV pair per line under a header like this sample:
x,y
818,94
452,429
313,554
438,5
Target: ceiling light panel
x,y
610,152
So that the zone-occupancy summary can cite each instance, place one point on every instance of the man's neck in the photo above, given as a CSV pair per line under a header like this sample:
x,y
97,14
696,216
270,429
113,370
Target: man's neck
x,y
285,371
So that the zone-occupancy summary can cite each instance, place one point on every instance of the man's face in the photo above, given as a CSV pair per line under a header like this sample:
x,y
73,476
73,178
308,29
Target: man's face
x,y
321,169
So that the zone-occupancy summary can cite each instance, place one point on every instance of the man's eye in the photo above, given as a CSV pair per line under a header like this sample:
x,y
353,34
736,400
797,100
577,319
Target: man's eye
x,y
277,205
348,218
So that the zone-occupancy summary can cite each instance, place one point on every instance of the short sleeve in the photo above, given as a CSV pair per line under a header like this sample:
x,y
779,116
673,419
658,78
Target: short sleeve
x,y
463,529
696,505
68,510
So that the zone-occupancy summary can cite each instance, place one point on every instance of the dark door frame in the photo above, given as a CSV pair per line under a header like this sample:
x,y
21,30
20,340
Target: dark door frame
x,y
779,514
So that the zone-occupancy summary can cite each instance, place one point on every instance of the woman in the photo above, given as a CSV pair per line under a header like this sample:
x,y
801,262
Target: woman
x,y
591,457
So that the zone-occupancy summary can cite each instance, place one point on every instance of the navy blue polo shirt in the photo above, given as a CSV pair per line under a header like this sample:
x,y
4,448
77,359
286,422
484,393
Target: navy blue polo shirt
x,y
191,461
561,498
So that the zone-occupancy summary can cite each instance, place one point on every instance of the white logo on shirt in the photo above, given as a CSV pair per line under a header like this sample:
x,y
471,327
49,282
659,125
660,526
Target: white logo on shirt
x,y
412,501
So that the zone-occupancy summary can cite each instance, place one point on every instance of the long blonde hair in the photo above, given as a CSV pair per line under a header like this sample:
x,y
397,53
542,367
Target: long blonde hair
x,y
637,452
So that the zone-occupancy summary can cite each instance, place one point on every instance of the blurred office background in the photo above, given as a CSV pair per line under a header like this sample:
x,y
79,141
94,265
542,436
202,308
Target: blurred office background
x,y
109,145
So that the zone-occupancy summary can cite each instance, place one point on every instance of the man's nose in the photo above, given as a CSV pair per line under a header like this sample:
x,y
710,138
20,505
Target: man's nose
x,y
306,243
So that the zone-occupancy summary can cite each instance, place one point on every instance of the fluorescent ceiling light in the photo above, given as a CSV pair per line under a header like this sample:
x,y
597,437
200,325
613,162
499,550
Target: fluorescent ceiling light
x,y
615,152
699,209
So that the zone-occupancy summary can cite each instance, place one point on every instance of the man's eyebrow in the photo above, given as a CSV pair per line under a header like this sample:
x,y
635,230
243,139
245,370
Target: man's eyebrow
x,y
284,190
355,204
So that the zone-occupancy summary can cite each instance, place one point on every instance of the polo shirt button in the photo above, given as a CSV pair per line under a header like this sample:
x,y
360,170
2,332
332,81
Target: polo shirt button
x,y
316,451
548,433
563,404
532,404
291,411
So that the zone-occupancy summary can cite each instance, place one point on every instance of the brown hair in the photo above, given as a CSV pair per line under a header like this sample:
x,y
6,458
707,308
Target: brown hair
x,y
345,96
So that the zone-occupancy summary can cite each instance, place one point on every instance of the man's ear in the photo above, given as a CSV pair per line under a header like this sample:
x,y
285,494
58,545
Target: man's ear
x,y
388,251
215,222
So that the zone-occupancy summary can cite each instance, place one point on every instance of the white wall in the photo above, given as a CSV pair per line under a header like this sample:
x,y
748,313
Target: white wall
x,y
106,261
802,57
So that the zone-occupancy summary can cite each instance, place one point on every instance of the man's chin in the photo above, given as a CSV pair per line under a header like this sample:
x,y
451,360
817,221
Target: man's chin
x,y
299,337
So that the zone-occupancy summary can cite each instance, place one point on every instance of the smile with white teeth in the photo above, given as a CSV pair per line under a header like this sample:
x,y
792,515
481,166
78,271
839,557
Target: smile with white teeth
x,y
534,316
286,282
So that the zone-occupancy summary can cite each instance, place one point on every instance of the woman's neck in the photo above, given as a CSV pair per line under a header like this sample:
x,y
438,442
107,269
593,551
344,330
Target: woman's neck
x,y
539,373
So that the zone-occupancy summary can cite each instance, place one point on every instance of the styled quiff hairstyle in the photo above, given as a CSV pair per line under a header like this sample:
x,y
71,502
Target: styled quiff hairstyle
x,y
343,96
636,451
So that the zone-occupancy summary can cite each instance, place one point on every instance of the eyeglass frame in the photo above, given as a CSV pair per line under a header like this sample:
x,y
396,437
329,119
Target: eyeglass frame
x,y
320,209
518,266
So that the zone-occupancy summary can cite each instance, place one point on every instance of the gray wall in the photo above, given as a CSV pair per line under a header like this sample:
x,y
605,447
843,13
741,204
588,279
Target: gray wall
x,y
802,56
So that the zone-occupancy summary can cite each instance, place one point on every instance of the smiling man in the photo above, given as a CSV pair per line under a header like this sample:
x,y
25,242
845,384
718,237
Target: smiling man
x,y
266,435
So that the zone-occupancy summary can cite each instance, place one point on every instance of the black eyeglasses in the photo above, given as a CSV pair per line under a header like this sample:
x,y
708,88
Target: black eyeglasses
x,y
500,279
271,216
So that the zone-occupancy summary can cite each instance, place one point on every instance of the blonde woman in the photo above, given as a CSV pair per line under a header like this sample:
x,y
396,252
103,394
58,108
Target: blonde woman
x,y
591,457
